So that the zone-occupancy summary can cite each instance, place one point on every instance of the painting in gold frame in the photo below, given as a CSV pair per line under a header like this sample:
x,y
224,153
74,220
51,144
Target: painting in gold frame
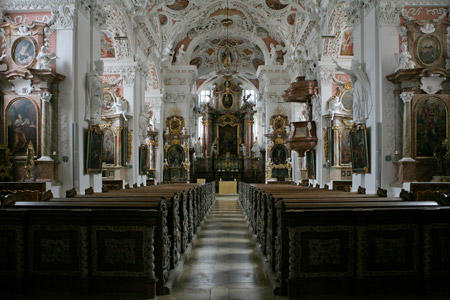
x,y
24,51
94,150
143,159
227,101
360,156
22,125
428,50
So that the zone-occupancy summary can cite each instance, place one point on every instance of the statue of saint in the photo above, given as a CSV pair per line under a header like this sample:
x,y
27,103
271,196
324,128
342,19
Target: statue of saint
x,y
362,105
94,99
181,57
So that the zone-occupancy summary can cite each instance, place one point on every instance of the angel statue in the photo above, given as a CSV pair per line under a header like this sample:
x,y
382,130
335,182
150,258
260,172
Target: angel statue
x,y
273,55
362,105
44,58
335,106
121,106
243,150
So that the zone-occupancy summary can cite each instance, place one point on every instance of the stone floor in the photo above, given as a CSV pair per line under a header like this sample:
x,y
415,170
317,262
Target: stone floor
x,y
223,263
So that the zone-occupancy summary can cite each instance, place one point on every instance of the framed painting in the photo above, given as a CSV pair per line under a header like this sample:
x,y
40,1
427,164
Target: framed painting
x,y
431,125
227,101
94,150
22,125
358,142
24,51
108,147
143,159
345,148
175,155
108,100
311,163
107,45
228,140
279,154
428,50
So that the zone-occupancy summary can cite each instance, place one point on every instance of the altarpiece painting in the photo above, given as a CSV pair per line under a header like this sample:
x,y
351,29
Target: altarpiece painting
x,y
94,150
21,119
431,129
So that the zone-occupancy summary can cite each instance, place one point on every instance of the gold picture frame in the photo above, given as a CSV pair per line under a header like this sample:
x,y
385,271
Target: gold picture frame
x,y
426,47
24,51
175,125
227,101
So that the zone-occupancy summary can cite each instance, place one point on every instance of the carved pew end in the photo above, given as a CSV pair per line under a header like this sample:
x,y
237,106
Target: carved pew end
x,y
127,186
104,188
135,185
406,196
381,192
361,190
89,191
71,193
317,186
326,187
45,196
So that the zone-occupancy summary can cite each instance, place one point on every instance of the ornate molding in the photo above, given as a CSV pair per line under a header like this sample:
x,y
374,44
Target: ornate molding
x,y
326,75
45,96
65,17
389,12
406,97
127,73
433,84
21,86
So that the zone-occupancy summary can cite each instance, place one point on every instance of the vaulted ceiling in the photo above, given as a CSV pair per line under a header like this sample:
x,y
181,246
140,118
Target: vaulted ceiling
x,y
200,26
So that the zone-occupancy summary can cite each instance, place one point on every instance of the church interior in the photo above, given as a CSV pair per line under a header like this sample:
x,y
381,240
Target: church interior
x,y
225,149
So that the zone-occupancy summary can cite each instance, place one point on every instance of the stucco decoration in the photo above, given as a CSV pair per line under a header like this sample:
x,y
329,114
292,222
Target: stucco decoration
x,y
432,84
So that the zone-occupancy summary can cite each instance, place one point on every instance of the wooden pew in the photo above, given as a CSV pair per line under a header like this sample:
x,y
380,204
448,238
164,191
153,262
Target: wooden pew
x,y
83,250
265,213
162,240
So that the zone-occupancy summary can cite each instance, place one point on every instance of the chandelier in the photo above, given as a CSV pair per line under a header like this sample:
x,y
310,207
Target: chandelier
x,y
227,55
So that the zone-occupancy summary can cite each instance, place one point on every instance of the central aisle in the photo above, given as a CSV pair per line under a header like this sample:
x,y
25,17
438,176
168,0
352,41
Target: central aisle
x,y
224,263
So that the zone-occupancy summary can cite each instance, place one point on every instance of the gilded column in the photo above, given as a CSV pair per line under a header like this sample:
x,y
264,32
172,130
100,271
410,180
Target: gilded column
x,y
118,146
45,129
336,145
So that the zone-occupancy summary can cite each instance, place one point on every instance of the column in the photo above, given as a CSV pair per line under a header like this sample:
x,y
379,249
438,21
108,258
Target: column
x,y
336,155
206,137
249,136
45,129
406,98
119,146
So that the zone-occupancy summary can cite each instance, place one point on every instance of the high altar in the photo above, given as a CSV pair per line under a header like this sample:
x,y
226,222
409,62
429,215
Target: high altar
x,y
230,150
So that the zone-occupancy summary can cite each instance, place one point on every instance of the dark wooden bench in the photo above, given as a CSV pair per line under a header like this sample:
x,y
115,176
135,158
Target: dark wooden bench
x,y
78,249
266,210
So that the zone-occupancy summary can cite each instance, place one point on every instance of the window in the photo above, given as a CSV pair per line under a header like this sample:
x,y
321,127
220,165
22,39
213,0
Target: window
x,y
204,96
249,95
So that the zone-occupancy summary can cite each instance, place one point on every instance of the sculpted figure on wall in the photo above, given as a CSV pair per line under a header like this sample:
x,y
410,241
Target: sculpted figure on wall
x,y
362,104
44,58
94,99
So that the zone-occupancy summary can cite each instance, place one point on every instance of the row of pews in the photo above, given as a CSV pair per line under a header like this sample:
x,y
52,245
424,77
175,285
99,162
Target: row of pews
x,y
316,240
128,240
